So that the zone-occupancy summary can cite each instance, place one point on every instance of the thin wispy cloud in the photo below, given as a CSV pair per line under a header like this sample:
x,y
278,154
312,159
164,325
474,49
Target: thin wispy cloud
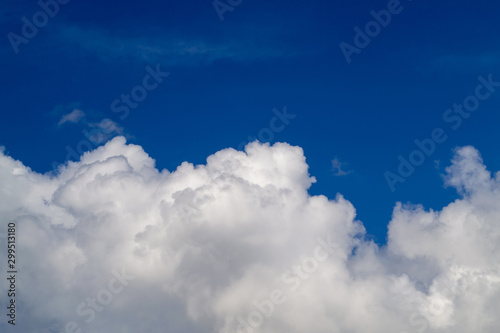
x,y
104,130
167,47
73,117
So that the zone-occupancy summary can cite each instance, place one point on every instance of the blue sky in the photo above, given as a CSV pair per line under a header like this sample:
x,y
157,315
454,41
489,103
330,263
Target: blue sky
x,y
227,76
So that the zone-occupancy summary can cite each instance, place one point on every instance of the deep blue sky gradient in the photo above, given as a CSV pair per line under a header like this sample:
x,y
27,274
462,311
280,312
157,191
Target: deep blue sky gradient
x,y
227,76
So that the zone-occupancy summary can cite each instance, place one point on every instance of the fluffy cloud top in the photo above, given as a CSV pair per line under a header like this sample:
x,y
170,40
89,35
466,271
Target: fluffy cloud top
x,y
112,244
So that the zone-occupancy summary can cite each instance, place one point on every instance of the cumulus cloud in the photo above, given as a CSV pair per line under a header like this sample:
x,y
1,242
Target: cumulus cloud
x,y
112,244
73,117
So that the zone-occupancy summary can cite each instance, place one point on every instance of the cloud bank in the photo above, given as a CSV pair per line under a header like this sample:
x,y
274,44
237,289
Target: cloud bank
x,y
112,244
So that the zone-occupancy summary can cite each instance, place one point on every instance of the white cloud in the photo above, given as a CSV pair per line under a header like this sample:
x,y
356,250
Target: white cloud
x,y
73,117
207,245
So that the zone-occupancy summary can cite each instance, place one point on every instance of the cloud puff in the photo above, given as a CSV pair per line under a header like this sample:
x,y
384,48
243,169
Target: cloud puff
x,y
337,166
73,117
103,130
112,244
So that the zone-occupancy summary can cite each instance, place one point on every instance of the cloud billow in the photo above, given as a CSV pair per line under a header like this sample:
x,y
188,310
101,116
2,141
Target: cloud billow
x,y
207,246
